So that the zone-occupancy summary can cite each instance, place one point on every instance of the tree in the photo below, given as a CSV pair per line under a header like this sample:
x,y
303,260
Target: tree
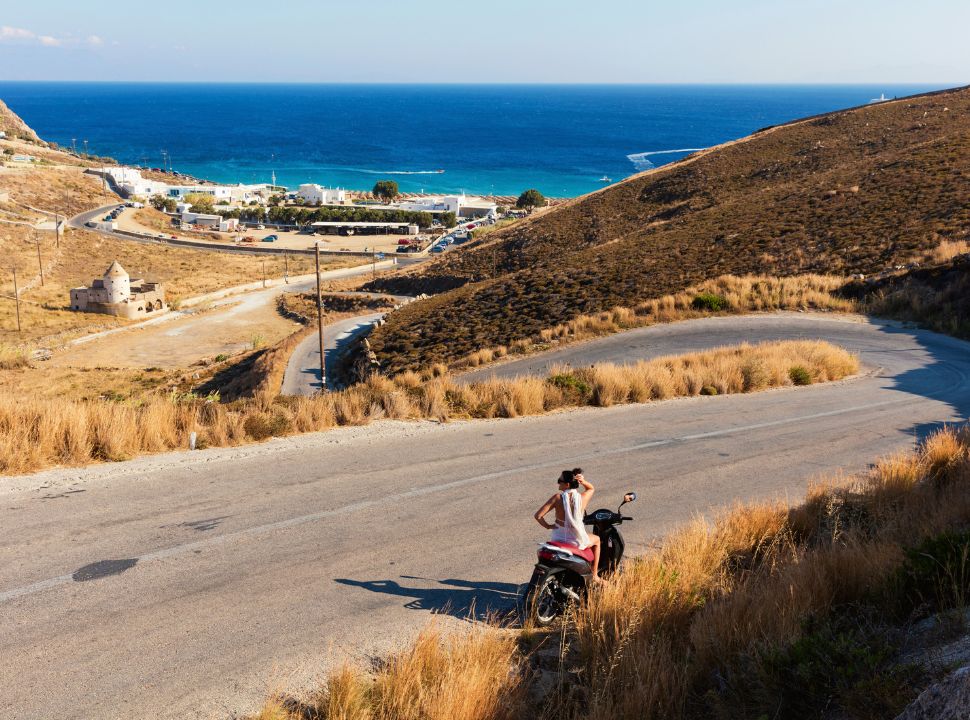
x,y
165,204
531,198
200,202
386,190
276,199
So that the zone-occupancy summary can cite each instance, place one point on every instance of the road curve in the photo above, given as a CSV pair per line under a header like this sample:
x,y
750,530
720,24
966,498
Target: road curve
x,y
189,585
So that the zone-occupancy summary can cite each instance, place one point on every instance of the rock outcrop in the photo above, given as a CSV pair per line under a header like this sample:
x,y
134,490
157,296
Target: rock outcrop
x,y
948,699
14,127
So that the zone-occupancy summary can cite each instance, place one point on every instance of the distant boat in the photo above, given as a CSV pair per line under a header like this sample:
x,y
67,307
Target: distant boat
x,y
606,179
882,98
439,171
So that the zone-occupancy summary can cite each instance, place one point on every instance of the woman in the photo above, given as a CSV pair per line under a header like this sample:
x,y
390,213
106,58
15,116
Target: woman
x,y
570,506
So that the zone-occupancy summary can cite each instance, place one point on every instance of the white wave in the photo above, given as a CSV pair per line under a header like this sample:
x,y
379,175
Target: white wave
x,y
389,172
640,161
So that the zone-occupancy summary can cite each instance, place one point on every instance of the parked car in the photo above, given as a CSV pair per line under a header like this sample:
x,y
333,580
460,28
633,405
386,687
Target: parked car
x,y
260,227
437,249
271,238
403,241
90,223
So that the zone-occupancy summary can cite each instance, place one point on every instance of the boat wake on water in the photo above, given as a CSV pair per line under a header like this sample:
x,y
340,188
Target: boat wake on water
x,y
389,172
641,162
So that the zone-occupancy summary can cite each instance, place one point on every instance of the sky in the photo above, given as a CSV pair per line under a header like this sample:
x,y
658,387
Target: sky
x,y
530,41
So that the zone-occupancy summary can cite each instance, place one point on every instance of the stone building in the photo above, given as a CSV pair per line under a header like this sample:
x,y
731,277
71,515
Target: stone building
x,y
117,294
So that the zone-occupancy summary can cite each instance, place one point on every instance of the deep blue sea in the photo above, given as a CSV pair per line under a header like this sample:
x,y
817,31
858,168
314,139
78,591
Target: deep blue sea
x,y
496,139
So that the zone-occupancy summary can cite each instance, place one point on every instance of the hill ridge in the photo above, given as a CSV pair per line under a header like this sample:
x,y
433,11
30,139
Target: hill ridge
x,y
852,191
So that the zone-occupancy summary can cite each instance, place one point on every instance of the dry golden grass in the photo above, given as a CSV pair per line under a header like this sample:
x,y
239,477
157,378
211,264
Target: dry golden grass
x,y
466,676
740,295
695,629
65,432
946,251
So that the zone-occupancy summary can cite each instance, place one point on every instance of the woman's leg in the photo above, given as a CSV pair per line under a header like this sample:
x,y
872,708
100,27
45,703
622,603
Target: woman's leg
x,y
594,543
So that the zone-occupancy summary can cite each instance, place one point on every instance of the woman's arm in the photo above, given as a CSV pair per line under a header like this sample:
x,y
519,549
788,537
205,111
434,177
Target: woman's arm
x,y
541,513
587,492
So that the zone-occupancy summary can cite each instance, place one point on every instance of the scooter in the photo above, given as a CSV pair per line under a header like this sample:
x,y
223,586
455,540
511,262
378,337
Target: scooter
x,y
564,573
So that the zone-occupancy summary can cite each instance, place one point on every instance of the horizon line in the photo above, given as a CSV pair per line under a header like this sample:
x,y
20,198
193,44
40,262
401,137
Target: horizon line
x,y
740,83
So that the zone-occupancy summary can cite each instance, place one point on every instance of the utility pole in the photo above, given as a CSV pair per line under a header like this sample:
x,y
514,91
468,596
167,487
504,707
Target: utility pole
x,y
264,272
40,262
57,235
16,296
74,145
85,147
286,268
323,362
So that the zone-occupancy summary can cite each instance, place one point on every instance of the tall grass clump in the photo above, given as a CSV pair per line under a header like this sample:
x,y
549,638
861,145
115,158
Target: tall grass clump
x,y
467,675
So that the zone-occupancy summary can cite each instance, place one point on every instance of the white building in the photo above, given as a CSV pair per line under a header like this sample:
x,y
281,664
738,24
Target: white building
x,y
313,194
131,182
464,206
214,222
219,192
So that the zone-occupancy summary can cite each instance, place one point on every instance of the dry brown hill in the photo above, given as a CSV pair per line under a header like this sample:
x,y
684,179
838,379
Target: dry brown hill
x,y
11,124
855,191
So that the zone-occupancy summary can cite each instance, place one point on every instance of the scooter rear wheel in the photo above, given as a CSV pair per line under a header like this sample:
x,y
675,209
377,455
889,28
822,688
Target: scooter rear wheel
x,y
544,600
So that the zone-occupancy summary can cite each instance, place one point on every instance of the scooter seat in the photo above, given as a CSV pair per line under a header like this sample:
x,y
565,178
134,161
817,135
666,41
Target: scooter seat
x,y
586,554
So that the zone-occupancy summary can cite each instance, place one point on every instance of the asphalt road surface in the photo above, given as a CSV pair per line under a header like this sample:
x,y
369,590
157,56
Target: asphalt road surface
x,y
191,584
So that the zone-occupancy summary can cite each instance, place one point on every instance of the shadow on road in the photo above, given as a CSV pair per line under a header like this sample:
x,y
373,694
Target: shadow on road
x,y
944,377
464,599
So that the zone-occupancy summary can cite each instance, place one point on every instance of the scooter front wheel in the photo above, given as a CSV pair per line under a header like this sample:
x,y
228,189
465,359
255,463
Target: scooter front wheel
x,y
545,601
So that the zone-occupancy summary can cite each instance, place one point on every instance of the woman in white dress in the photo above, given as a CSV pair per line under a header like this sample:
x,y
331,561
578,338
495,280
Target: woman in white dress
x,y
569,505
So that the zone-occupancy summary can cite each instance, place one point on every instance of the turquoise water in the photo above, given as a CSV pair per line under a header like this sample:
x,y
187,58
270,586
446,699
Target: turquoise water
x,y
487,138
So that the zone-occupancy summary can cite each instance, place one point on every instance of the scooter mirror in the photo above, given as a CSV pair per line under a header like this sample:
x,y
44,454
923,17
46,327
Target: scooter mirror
x,y
629,497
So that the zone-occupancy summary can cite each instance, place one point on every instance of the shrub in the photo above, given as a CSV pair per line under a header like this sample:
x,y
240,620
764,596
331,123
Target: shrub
x,y
708,301
936,574
799,375
708,390
571,385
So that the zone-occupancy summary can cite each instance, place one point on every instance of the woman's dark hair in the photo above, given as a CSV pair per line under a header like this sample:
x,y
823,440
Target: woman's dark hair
x,y
568,477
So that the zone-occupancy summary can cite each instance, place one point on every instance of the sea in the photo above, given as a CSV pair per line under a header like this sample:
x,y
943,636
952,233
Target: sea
x,y
564,140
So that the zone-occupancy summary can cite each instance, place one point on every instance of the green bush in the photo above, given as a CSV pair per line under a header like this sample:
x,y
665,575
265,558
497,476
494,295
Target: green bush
x,y
708,390
935,575
709,301
571,385
799,375
839,664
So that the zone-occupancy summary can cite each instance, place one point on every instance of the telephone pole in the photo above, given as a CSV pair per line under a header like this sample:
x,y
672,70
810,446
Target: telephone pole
x,y
264,272
323,361
40,261
16,297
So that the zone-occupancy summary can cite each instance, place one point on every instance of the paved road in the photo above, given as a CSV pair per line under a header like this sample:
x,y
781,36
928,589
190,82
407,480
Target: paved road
x,y
188,585
302,376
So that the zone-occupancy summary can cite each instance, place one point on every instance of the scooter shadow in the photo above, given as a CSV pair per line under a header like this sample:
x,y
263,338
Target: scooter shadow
x,y
465,599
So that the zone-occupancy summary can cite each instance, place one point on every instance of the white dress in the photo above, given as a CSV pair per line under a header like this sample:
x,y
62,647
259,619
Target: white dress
x,y
572,530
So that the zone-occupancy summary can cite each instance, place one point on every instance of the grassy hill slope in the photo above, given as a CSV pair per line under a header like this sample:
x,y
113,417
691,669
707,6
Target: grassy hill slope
x,y
855,191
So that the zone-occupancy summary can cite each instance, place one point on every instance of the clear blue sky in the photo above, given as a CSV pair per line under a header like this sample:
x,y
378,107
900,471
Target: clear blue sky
x,y
629,41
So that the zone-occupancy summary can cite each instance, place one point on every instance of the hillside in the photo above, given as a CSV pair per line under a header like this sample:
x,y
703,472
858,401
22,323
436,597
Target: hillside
x,y
855,191
14,127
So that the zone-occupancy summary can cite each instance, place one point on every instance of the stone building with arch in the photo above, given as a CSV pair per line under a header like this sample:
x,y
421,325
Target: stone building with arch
x,y
115,293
